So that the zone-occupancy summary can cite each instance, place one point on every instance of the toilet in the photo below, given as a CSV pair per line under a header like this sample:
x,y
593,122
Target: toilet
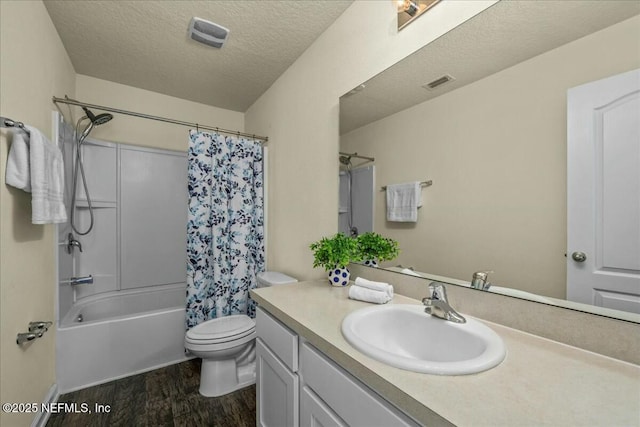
x,y
226,346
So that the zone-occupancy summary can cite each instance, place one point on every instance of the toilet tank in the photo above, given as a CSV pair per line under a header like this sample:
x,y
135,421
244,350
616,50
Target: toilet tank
x,y
271,278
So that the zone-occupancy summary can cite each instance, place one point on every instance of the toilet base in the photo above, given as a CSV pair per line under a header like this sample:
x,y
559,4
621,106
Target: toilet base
x,y
220,377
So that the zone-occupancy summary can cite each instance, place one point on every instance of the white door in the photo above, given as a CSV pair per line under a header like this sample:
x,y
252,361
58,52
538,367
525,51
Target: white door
x,y
603,193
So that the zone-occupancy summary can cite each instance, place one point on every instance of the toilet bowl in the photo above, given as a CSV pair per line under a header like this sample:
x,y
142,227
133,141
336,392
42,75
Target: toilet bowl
x,y
226,346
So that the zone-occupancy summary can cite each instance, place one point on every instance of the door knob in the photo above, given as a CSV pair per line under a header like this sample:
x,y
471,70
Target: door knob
x,y
579,256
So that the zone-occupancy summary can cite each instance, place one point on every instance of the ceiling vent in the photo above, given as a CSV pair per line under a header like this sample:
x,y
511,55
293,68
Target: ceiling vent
x,y
208,32
439,82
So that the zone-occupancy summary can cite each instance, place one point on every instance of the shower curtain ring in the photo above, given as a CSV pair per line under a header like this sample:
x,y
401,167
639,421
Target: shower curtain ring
x,y
197,128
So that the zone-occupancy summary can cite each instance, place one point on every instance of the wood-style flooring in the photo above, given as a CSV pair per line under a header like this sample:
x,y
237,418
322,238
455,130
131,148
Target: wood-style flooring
x,y
164,397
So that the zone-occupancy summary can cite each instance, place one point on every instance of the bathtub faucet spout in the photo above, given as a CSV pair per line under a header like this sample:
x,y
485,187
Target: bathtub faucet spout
x,y
85,280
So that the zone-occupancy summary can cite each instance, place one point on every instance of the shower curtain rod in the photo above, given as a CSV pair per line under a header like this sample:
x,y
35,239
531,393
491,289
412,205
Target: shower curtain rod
x,y
372,159
69,101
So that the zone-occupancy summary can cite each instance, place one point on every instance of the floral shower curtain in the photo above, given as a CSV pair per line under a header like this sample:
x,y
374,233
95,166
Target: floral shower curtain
x,y
225,230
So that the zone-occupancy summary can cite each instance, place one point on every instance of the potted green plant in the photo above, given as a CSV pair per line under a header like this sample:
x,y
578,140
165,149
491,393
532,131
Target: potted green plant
x,y
374,248
334,254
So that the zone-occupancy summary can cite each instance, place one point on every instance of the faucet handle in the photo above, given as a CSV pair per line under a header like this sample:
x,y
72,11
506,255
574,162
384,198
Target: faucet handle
x,y
72,242
479,280
438,291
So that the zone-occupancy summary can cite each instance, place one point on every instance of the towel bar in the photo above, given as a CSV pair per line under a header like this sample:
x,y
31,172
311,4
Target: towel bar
x,y
6,122
422,184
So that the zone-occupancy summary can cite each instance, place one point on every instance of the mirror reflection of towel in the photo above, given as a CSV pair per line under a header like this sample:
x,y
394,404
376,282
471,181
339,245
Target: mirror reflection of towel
x,y
403,201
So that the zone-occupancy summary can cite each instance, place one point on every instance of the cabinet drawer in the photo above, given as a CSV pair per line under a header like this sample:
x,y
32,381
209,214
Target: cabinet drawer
x,y
352,401
281,340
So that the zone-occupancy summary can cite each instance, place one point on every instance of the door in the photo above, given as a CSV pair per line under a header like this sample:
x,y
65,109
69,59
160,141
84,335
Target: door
x,y
603,193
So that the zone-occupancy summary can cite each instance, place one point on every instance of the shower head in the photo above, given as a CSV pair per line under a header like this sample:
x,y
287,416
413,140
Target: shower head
x,y
345,160
100,119
94,120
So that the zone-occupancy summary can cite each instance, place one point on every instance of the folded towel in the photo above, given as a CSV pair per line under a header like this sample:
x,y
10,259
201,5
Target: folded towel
x,y
368,295
47,180
403,201
370,291
35,165
375,286
18,173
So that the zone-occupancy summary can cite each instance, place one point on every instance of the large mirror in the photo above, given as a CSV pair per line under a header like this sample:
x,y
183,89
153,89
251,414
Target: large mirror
x,y
482,113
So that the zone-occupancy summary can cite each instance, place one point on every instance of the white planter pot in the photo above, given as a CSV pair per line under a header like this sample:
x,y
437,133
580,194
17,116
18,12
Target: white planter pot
x,y
339,276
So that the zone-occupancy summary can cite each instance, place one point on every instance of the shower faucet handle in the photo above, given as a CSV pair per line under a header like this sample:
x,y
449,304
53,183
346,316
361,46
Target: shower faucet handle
x,y
72,242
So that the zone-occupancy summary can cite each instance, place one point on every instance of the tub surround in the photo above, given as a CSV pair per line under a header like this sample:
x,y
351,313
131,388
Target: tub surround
x,y
541,382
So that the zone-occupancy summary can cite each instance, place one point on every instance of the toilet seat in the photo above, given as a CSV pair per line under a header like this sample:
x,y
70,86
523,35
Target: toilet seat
x,y
222,330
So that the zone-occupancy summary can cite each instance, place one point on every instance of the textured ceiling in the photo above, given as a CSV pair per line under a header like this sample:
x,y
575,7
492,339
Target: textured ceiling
x,y
145,44
505,34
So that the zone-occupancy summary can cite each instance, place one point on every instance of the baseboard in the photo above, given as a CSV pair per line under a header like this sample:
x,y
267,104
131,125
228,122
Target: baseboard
x,y
42,417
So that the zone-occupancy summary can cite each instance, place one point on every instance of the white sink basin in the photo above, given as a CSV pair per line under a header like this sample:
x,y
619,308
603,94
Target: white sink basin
x,y
406,337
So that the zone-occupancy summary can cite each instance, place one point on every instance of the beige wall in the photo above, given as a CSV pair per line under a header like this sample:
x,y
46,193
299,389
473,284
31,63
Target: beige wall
x,y
299,113
135,130
496,151
34,66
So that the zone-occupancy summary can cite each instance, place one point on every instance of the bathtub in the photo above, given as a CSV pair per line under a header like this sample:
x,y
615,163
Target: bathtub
x,y
122,333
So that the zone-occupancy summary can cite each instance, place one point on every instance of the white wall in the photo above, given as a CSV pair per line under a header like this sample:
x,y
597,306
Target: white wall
x,y
34,66
299,113
496,151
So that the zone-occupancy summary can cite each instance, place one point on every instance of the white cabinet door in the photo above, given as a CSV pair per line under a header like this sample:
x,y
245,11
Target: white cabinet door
x,y
276,390
315,413
603,192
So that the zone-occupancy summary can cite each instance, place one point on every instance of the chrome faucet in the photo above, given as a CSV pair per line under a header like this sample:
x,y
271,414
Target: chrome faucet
x,y
479,280
84,280
438,306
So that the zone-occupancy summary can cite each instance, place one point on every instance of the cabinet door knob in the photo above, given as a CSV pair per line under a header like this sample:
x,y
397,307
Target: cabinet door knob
x,y
579,256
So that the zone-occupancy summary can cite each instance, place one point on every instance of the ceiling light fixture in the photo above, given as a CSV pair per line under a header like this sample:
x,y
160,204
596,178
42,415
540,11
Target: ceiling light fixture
x,y
408,6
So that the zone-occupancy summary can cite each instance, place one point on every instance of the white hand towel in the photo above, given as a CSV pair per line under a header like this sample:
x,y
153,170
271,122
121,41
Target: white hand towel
x,y
403,201
18,173
47,180
375,286
368,295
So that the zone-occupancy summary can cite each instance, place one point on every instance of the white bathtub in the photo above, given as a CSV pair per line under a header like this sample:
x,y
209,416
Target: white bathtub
x,y
121,334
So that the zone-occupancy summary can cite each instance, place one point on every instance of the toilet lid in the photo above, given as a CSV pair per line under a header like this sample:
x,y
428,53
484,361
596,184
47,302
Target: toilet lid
x,y
222,328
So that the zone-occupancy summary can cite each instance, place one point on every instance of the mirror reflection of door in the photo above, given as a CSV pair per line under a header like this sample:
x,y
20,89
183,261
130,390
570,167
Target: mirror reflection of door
x,y
357,186
603,193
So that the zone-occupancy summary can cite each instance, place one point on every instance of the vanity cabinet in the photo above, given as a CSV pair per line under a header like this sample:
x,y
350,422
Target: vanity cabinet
x,y
297,385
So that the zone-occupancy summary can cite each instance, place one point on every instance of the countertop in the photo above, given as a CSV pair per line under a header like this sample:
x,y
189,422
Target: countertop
x,y
540,382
